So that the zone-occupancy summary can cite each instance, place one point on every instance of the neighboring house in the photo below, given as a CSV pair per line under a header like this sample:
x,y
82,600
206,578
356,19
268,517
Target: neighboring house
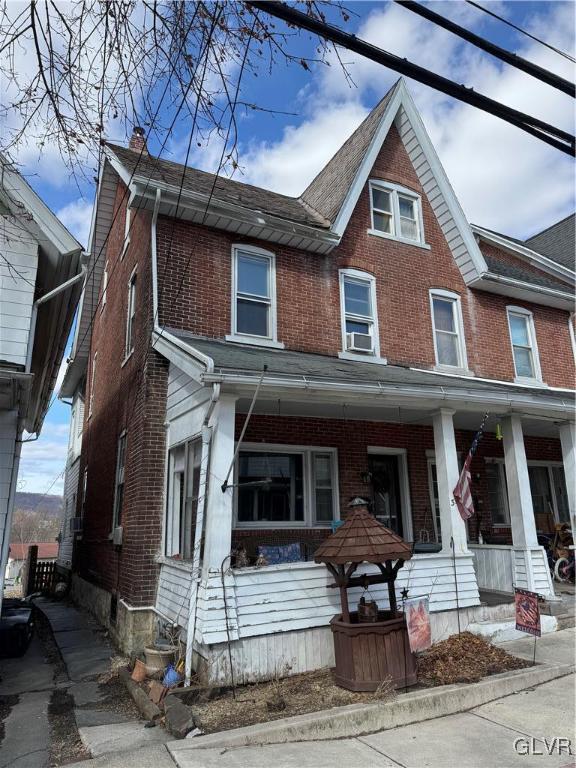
x,y
47,552
378,327
40,282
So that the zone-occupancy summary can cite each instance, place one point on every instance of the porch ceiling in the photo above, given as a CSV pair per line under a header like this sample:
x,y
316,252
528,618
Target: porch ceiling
x,y
466,420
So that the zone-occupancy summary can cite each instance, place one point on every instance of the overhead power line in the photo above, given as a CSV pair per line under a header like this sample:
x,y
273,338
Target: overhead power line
x,y
556,137
500,53
523,31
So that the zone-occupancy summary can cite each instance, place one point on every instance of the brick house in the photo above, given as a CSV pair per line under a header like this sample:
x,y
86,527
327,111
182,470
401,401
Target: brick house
x,y
377,327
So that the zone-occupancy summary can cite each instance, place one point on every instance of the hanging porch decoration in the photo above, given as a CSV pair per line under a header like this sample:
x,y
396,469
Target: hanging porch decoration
x,y
370,645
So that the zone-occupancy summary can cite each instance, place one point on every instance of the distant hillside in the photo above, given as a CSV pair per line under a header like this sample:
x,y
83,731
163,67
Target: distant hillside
x,y
39,502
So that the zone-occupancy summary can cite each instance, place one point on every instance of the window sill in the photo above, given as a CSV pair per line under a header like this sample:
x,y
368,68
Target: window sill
x,y
123,363
454,370
358,357
267,525
403,240
530,382
255,341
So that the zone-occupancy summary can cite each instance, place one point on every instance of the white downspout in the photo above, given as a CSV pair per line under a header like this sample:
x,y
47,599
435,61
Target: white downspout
x,y
205,455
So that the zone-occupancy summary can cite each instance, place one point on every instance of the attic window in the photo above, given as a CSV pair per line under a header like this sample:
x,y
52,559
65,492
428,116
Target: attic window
x,y
396,213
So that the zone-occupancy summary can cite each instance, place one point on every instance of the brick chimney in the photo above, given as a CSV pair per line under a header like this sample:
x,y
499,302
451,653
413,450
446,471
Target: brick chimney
x,y
138,140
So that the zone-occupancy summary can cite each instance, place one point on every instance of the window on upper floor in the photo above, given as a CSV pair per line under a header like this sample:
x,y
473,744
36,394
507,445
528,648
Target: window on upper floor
x,y
448,329
396,212
524,348
104,287
119,481
127,230
253,296
130,315
92,384
359,318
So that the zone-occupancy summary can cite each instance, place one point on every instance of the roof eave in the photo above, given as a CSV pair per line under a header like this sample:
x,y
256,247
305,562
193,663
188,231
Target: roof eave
x,y
518,289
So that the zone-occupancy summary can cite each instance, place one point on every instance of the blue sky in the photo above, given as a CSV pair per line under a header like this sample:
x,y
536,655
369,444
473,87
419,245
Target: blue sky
x,y
505,179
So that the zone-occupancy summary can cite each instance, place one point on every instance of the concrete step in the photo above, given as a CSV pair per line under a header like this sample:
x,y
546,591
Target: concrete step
x,y
505,629
121,737
566,620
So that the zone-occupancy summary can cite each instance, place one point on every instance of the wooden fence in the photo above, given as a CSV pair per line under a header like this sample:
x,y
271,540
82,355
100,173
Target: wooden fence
x,y
38,576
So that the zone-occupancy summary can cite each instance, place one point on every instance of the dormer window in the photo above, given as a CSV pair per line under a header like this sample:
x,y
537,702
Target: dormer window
x,y
253,296
358,314
396,213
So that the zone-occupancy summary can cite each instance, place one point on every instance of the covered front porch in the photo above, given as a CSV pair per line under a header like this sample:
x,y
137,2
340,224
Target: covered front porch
x,y
244,517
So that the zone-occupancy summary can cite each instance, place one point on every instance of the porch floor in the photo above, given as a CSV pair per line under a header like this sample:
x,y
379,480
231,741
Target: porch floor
x,y
487,597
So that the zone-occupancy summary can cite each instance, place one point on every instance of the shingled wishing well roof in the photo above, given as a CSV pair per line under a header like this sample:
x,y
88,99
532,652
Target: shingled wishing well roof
x,y
361,538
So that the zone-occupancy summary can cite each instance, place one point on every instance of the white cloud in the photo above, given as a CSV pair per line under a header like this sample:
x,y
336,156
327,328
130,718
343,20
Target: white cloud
x,y
42,462
76,216
504,178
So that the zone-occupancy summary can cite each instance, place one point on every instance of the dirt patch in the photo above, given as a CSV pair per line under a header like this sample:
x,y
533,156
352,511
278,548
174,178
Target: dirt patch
x,y
44,632
6,704
464,658
296,695
117,699
65,743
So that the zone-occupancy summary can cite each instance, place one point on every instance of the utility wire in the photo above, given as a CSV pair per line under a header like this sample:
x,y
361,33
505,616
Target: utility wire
x,y
500,53
523,31
556,137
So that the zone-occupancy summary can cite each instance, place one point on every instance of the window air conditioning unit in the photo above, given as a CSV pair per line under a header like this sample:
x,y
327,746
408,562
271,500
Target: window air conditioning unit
x,y
117,536
75,525
359,342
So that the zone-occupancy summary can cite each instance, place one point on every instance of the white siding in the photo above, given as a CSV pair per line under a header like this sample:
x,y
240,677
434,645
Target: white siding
x,y
18,265
494,565
65,548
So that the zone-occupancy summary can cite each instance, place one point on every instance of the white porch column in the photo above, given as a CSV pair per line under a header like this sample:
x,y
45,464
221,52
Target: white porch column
x,y
568,442
219,508
447,472
522,519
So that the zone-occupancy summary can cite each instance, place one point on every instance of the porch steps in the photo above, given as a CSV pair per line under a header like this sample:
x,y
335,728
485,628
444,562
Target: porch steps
x,y
503,630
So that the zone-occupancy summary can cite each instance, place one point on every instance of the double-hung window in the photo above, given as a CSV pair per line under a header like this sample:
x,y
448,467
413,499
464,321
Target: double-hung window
x,y
497,492
184,463
396,212
523,340
359,317
130,315
119,484
285,486
92,385
104,287
448,330
253,296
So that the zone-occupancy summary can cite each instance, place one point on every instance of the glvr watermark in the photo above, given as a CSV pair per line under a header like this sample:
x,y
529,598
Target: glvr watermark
x,y
528,745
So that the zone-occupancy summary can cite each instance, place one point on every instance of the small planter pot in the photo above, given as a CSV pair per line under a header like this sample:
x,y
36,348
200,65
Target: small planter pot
x,y
139,672
157,659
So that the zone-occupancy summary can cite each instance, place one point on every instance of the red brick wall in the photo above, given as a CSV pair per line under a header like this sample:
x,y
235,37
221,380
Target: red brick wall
x,y
352,438
131,397
195,278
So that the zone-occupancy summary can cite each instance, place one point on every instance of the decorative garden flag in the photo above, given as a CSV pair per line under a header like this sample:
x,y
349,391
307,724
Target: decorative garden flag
x,y
527,611
418,622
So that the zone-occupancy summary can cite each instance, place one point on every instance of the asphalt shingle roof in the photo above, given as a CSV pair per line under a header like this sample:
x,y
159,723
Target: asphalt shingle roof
x,y
558,242
517,272
237,358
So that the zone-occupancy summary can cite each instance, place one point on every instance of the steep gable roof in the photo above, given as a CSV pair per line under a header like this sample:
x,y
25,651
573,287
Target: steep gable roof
x,y
558,241
327,191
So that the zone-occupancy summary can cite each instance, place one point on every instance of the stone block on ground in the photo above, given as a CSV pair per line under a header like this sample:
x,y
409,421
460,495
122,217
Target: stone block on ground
x,y
120,737
178,718
87,718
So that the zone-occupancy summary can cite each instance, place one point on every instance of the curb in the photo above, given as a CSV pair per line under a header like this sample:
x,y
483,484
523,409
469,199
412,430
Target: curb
x,y
362,719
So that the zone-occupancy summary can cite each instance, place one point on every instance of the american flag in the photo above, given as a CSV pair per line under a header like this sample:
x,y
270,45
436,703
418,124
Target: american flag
x,y
463,490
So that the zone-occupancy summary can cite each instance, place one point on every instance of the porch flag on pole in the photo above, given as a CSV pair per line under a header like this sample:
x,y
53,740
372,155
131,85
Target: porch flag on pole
x,y
463,490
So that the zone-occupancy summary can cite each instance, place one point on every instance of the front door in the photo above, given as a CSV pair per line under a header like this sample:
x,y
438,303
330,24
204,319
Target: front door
x,y
385,481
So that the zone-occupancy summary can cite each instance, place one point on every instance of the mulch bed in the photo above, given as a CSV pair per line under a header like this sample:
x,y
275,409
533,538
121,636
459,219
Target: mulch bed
x,y
464,658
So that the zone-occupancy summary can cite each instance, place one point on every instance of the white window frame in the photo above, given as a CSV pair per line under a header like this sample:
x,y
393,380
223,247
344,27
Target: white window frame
x,y
176,497
307,452
529,318
119,477
271,340
130,315
396,190
92,383
462,367
500,463
364,277
549,466
104,287
572,332
127,228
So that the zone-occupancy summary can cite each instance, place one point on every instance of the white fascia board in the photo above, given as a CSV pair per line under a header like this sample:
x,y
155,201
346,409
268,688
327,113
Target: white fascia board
x,y
20,192
145,189
537,294
527,254
184,356
393,393
124,174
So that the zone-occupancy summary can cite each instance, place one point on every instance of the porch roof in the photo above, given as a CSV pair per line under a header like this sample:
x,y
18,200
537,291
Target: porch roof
x,y
231,360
